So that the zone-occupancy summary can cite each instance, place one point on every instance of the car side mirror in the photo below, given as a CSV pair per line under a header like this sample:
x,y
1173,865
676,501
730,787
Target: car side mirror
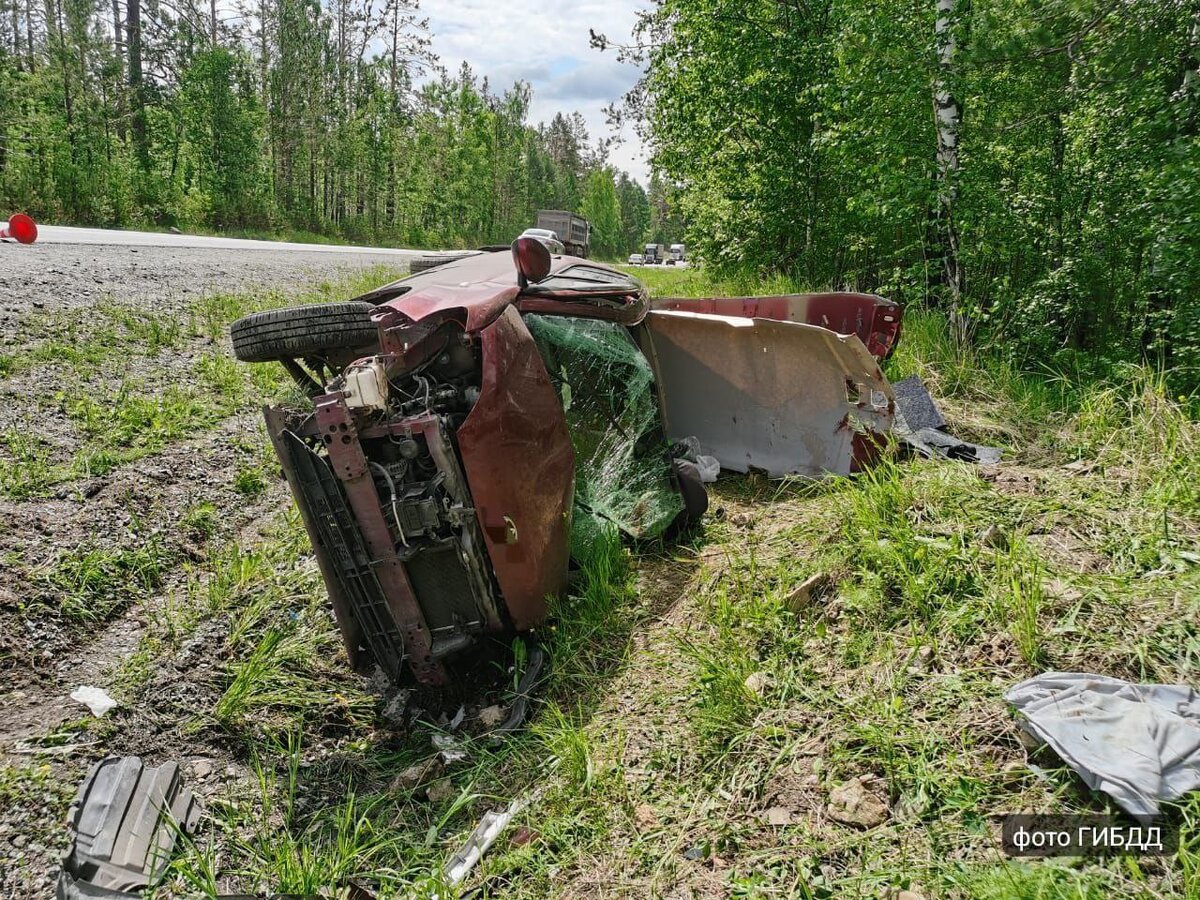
x,y
532,260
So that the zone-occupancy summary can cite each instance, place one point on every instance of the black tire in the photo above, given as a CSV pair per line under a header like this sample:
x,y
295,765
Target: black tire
x,y
425,263
300,331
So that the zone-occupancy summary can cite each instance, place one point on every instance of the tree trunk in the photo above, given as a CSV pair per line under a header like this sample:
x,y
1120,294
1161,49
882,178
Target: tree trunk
x,y
15,17
119,59
137,95
948,118
29,34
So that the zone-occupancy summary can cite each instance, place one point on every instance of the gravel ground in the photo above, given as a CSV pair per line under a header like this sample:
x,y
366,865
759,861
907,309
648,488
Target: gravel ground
x,y
43,657
76,275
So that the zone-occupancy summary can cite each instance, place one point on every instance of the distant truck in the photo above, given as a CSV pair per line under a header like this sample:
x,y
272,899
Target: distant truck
x,y
574,231
652,255
677,254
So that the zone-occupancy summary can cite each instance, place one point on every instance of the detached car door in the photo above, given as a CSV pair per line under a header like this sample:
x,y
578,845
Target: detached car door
x,y
781,396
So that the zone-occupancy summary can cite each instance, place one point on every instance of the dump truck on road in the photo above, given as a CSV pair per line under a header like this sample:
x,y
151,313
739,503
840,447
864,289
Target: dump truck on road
x,y
573,230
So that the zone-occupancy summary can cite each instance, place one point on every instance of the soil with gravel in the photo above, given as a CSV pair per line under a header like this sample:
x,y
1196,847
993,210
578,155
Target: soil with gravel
x,y
44,655
75,276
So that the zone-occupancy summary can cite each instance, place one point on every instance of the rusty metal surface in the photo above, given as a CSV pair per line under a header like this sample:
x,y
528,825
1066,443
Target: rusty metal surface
x,y
352,634
337,430
874,319
784,397
476,289
521,469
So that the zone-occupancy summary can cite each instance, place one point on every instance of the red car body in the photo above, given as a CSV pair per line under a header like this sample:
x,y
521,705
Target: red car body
x,y
442,513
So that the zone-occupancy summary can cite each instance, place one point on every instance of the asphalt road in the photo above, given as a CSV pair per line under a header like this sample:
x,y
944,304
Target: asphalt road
x,y
62,234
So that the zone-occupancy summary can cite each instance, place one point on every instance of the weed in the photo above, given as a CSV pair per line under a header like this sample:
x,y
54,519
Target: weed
x,y
91,584
250,481
200,522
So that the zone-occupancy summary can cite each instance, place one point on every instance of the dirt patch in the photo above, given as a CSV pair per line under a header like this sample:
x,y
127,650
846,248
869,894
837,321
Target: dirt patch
x,y
171,511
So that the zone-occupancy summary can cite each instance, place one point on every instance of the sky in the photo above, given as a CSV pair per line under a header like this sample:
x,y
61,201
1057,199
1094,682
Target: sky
x,y
545,44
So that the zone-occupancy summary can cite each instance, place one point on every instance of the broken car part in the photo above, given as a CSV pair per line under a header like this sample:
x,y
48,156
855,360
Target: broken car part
x,y
1139,743
782,397
525,688
921,426
504,408
124,824
484,835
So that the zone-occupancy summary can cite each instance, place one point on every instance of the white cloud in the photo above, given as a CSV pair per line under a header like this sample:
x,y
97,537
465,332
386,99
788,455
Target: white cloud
x,y
547,45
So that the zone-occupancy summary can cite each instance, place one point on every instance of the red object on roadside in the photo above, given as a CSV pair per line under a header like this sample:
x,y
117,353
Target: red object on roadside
x,y
20,228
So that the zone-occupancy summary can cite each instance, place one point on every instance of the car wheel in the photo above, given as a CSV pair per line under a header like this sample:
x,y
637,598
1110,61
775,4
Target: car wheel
x,y
300,331
425,263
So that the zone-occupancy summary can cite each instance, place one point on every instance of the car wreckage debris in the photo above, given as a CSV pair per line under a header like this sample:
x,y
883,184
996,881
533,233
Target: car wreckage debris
x,y
920,426
1139,743
124,824
472,429
525,687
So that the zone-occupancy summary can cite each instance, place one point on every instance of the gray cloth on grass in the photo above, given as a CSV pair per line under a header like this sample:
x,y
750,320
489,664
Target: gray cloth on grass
x,y
1139,743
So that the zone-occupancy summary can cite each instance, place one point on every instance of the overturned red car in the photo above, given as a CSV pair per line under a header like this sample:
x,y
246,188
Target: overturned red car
x,y
469,429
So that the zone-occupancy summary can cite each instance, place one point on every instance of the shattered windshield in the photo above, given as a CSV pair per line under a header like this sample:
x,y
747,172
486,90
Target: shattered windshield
x,y
622,463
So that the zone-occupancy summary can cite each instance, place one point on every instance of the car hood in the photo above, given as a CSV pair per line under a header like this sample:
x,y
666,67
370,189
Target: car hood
x,y
474,290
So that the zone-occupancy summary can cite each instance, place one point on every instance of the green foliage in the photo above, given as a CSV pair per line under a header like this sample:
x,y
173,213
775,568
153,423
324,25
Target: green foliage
x,y
801,139
600,206
306,124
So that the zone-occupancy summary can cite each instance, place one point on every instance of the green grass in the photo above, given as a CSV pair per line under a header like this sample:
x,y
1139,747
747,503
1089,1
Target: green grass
x,y
692,689
91,584
132,407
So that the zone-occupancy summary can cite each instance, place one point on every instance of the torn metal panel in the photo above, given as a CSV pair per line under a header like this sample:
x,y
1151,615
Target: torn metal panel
x,y
784,397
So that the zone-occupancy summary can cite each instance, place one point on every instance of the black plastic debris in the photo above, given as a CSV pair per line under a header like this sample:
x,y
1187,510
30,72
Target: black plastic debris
x,y
921,426
124,824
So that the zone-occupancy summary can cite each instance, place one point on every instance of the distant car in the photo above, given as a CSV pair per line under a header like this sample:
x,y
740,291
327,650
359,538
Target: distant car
x,y
547,237
636,259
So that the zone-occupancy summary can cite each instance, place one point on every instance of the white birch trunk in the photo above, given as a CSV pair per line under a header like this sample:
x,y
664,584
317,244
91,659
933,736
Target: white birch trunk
x,y
947,120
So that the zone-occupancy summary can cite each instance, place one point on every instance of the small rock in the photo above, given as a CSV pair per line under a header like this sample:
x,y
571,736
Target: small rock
x,y
440,791
202,768
19,840
923,661
994,536
757,683
416,775
777,815
853,804
907,895
394,711
491,716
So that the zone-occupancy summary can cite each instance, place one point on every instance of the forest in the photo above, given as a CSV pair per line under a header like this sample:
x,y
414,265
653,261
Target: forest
x,y
1030,168
327,119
